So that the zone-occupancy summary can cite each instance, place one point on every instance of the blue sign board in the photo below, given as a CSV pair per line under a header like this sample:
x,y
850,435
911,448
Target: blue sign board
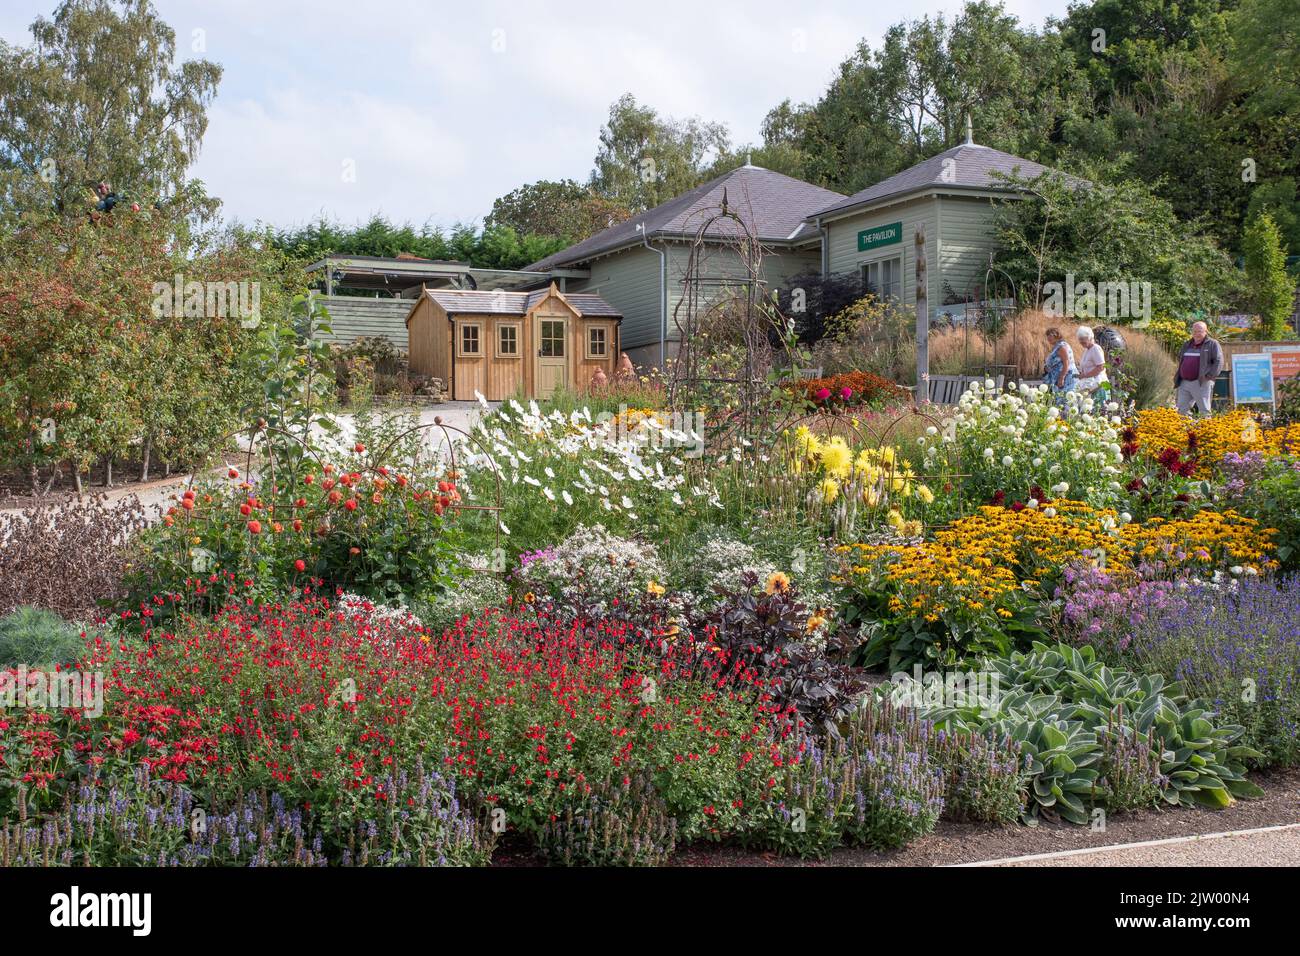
x,y
1252,379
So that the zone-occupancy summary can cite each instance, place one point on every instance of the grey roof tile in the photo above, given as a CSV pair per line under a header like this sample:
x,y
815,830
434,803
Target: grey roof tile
x,y
490,302
973,167
773,205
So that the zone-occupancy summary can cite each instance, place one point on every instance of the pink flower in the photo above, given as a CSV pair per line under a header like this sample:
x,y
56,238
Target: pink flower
x,y
823,394
846,393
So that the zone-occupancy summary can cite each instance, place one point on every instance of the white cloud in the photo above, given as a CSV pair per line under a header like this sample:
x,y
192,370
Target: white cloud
x,y
441,119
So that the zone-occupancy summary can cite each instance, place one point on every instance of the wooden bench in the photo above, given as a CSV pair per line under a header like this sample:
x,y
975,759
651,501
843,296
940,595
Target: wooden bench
x,y
948,389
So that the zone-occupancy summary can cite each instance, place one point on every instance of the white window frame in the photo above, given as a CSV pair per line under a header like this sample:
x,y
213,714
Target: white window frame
x,y
865,266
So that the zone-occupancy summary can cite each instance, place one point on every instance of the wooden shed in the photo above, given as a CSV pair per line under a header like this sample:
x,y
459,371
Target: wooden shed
x,y
499,343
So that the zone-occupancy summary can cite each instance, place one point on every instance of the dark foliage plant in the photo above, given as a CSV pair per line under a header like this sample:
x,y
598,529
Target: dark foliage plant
x,y
68,557
763,634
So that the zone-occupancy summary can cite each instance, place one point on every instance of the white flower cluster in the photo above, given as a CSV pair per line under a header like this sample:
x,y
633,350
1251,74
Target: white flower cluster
x,y
476,589
575,461
593,568
722,561
1012,439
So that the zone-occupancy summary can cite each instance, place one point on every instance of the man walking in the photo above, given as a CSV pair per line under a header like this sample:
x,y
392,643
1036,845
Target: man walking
x,y
1200,364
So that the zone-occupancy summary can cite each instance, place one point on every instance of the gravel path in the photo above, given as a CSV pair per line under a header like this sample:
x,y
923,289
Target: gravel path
x,y
1272,846
156,496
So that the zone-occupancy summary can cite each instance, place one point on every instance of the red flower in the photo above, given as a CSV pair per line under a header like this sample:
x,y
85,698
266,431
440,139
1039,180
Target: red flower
x,y
300,565
350,504
255,527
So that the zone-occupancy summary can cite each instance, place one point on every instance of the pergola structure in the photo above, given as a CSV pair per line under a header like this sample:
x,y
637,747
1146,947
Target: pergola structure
x,y
406,276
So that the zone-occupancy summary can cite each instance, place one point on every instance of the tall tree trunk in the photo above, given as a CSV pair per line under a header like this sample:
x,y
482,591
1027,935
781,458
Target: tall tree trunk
x,y
34,478
108,470
76,477
144,464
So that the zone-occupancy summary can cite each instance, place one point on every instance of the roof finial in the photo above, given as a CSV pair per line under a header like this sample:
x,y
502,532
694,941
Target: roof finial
x,y
749,160
724,200
970,131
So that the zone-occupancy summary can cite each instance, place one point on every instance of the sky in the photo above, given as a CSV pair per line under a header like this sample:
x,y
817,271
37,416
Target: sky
x,y
428,111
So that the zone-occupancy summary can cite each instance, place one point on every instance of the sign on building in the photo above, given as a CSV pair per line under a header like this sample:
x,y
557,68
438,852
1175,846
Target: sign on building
x,y
878,236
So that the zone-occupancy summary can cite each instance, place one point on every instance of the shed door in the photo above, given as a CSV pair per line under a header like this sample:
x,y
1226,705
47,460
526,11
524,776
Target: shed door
x,y
552,355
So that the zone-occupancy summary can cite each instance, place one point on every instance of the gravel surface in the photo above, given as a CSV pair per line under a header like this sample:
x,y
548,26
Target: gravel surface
x,y
968,843
1271,848
157,495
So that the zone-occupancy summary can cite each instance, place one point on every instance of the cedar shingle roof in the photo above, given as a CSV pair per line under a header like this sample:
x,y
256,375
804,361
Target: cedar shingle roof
x,y
489,302
773,205
973,167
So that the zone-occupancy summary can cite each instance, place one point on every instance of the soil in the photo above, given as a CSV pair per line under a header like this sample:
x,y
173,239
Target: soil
x,y
953,843
16,489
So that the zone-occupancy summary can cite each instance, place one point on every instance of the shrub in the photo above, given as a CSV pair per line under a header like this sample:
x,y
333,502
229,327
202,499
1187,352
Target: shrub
x,y
982,777
1012,440
67,556
762,636
562,469
591,569
1142,372
849,390
1130,769
364,529
619,823
1054,702
140,821
36,637
1236,646
875,786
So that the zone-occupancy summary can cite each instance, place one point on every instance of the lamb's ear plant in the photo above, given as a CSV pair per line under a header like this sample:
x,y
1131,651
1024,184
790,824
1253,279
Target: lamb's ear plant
x,y
1059,703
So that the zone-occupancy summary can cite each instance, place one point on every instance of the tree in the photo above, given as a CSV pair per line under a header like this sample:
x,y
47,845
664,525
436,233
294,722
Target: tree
x,y
96,364
645,159
96,99
1267,34
1114,232
497,247
557,210
1269,289
891,107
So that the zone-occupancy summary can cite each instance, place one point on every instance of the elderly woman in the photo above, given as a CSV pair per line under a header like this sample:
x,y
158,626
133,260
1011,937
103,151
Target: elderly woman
x,y
1061,371
1092,366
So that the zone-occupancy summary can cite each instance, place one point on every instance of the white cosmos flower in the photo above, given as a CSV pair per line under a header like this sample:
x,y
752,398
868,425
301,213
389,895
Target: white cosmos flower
x,y
1007,461
530,480
550,495
568,498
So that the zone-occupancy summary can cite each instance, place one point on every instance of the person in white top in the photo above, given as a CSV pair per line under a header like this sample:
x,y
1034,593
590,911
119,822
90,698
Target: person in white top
x,y
1092,366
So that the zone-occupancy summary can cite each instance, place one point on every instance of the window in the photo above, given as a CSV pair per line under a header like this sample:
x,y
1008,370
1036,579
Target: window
x,y
597,342
508,340
552,345
884,277
470,342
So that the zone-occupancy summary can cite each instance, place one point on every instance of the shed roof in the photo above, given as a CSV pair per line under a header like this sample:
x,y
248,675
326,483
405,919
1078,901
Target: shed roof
x,y
972,167
771,204
487,302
